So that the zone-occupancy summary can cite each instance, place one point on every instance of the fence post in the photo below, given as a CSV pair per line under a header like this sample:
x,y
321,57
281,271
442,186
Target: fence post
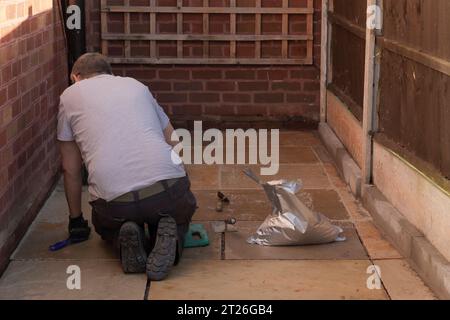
x,y
369,89
324,63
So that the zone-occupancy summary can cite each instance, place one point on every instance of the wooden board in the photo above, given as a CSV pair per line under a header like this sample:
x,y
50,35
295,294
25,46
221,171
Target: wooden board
x,y
420,24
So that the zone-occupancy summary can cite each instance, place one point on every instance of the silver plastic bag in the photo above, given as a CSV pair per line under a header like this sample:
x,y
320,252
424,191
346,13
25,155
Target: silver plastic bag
x,y
292,222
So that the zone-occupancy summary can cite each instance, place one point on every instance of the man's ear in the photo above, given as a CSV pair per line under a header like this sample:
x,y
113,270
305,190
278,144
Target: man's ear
x,y
75,78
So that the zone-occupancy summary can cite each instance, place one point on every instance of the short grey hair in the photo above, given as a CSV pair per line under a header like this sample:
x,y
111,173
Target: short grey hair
x,y
91,64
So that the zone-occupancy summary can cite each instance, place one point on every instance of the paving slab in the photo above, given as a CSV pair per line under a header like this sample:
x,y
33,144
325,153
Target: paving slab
x,y
290,154
401,282
313,176
47,280
287,154
43,234
237,248
211,252
376,244
265,280
244,205
204,177
299,138
326,202
233,178
334,176
322,153
253,205
55,209
50,226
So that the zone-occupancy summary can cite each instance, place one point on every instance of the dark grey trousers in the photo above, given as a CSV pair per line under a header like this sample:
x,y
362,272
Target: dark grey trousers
x,y
176,201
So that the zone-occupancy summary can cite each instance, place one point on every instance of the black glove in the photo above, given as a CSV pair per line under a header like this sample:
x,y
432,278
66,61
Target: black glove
x,y
79,229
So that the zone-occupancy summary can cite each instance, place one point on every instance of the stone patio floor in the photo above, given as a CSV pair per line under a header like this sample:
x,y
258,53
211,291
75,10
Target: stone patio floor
x,y
229,268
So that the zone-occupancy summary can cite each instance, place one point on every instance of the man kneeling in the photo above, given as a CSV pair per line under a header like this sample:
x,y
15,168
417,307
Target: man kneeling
x,y
115,126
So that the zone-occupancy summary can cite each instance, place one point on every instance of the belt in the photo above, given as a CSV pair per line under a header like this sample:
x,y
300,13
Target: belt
x,y
146,192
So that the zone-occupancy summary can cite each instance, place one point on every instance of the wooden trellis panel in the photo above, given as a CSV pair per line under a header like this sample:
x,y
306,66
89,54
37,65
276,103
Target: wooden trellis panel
x,y
285,11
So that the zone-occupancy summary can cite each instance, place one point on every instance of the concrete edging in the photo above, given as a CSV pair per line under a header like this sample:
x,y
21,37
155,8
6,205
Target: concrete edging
x,y
348,168
412,244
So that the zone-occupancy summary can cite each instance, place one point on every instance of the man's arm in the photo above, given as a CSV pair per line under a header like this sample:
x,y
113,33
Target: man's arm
x,y
71,163
168,131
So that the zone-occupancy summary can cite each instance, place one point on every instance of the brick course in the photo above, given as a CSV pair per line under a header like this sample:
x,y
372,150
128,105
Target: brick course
x,y
220,92
33,73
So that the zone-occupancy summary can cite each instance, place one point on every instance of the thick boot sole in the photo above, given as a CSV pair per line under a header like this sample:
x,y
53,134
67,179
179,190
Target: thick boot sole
x,y
132,251
162,257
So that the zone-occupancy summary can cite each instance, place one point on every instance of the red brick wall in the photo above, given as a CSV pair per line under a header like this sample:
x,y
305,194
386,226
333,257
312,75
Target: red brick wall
x,y
33,73
232,93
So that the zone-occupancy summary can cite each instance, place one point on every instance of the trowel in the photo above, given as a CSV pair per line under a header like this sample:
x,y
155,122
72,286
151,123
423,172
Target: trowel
x,y
224,226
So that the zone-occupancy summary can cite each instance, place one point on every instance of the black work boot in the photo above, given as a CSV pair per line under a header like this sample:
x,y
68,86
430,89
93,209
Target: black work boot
x,y
132,250
162,257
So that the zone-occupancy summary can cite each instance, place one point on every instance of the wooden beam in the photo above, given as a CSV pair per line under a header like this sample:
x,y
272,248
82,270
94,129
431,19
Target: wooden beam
x,y
285,31
216,10
421,57
330,33
258,25
310,29
347,25
324,62
153,30
127,30
205,30
202,37
224,61
233,30
179,29
104,27
369,102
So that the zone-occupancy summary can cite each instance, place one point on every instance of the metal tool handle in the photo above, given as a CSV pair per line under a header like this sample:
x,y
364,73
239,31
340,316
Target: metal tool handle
x,y
249,173
219,206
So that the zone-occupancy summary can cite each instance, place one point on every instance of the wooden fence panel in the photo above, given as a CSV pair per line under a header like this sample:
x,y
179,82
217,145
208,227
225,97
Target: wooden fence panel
x,y
414,100
348,53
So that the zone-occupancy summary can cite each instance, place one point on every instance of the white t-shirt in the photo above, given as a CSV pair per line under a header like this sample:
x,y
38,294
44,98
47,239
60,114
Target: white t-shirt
x,y
118,126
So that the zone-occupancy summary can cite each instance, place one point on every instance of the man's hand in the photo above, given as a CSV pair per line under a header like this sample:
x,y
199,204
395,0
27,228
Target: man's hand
x,y
168,131
71,164
79,229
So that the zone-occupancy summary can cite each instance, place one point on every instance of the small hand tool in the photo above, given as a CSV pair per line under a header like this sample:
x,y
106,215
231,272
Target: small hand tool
x,y
227,225
62,244
221,201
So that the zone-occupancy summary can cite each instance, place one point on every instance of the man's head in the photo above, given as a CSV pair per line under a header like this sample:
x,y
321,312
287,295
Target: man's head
x,y
90,65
